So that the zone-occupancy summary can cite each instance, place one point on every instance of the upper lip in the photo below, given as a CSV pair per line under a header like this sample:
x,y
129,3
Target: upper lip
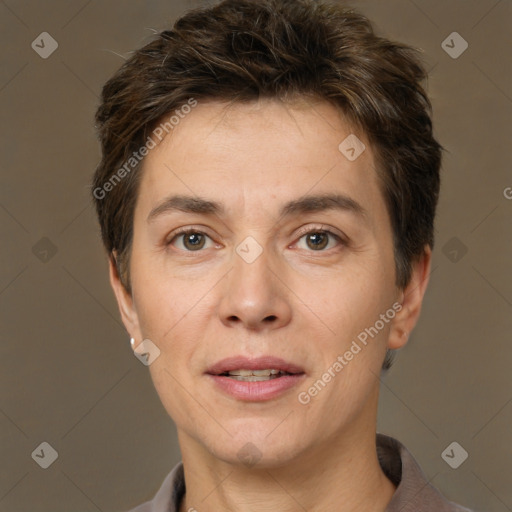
x,y
258,363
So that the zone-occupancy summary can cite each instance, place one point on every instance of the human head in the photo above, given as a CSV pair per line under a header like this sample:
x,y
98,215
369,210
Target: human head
x,y
243,50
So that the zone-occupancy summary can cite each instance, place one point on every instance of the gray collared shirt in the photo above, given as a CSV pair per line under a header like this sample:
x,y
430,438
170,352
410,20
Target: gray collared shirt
x,y
413,492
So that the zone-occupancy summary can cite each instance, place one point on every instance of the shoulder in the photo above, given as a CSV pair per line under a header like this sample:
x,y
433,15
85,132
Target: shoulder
x,y
413,491
168,496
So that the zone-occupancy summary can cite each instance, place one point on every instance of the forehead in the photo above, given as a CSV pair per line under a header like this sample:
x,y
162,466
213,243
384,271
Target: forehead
x,y
262,151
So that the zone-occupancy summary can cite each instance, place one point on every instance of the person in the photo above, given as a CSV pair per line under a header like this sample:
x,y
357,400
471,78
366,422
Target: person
x,y
266,196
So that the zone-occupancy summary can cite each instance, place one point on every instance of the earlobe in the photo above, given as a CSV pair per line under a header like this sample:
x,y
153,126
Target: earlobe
x,y
412,299
124,301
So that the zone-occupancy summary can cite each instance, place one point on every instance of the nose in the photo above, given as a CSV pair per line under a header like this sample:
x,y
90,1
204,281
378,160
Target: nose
x,y
254,297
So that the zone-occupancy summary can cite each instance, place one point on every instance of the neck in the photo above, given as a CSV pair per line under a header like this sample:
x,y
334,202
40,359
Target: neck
x,y
342,474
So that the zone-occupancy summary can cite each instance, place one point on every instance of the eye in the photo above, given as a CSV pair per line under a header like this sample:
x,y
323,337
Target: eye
x,y
320,239
190,240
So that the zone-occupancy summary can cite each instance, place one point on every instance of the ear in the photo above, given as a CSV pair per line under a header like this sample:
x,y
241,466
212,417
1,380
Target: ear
x,y
412,299
124,301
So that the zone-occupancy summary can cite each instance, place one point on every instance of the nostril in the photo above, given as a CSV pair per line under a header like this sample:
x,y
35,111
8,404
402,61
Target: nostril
x,y
270,318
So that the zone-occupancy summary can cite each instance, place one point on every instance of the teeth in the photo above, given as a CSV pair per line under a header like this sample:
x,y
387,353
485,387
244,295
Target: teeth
x,y
255,373
253,378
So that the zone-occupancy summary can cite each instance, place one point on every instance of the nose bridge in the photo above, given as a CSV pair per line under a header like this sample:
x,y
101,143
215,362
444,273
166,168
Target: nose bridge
x,y
253,295
252,279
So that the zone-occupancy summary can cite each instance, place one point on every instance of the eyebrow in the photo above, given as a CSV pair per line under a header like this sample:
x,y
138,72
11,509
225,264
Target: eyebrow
x,y
306,204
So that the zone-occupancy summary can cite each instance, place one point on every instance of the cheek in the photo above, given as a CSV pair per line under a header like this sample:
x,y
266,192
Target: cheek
x,y
173,313
352,300
162,301
175,393
350,305
354,346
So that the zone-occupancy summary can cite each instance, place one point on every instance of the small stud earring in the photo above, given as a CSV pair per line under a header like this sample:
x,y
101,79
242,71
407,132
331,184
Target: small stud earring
x,y
132,342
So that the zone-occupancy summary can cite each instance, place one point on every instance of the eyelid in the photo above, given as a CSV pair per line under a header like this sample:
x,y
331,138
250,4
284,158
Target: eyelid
x,y
321,228
186,230
305,230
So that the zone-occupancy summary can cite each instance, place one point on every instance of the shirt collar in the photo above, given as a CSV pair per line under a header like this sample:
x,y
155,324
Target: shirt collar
x,y
413,491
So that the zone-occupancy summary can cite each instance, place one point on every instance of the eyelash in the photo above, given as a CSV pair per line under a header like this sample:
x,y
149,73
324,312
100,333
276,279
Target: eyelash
x,y
316,230
303,232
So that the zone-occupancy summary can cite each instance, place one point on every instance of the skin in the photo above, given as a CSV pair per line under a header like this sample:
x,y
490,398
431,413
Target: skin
x,y
295,301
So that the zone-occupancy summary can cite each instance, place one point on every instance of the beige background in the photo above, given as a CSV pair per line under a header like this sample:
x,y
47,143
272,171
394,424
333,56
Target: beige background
x,y
68,374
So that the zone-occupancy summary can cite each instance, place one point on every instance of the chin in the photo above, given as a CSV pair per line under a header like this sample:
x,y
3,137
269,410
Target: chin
x,y
256,455
255,444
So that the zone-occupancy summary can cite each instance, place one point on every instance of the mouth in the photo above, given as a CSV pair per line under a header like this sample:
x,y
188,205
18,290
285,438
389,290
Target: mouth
x,y
254,369
255,379
255,375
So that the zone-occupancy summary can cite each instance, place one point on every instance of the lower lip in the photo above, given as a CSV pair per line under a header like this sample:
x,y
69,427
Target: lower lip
x,y
256,391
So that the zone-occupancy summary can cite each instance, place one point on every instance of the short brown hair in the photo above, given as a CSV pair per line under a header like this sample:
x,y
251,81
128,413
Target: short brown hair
x,y
241,50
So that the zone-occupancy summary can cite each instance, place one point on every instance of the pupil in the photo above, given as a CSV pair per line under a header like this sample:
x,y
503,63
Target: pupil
x,y
194,240
318,240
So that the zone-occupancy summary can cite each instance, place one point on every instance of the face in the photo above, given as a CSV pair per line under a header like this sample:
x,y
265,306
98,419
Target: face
x,y
258,245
